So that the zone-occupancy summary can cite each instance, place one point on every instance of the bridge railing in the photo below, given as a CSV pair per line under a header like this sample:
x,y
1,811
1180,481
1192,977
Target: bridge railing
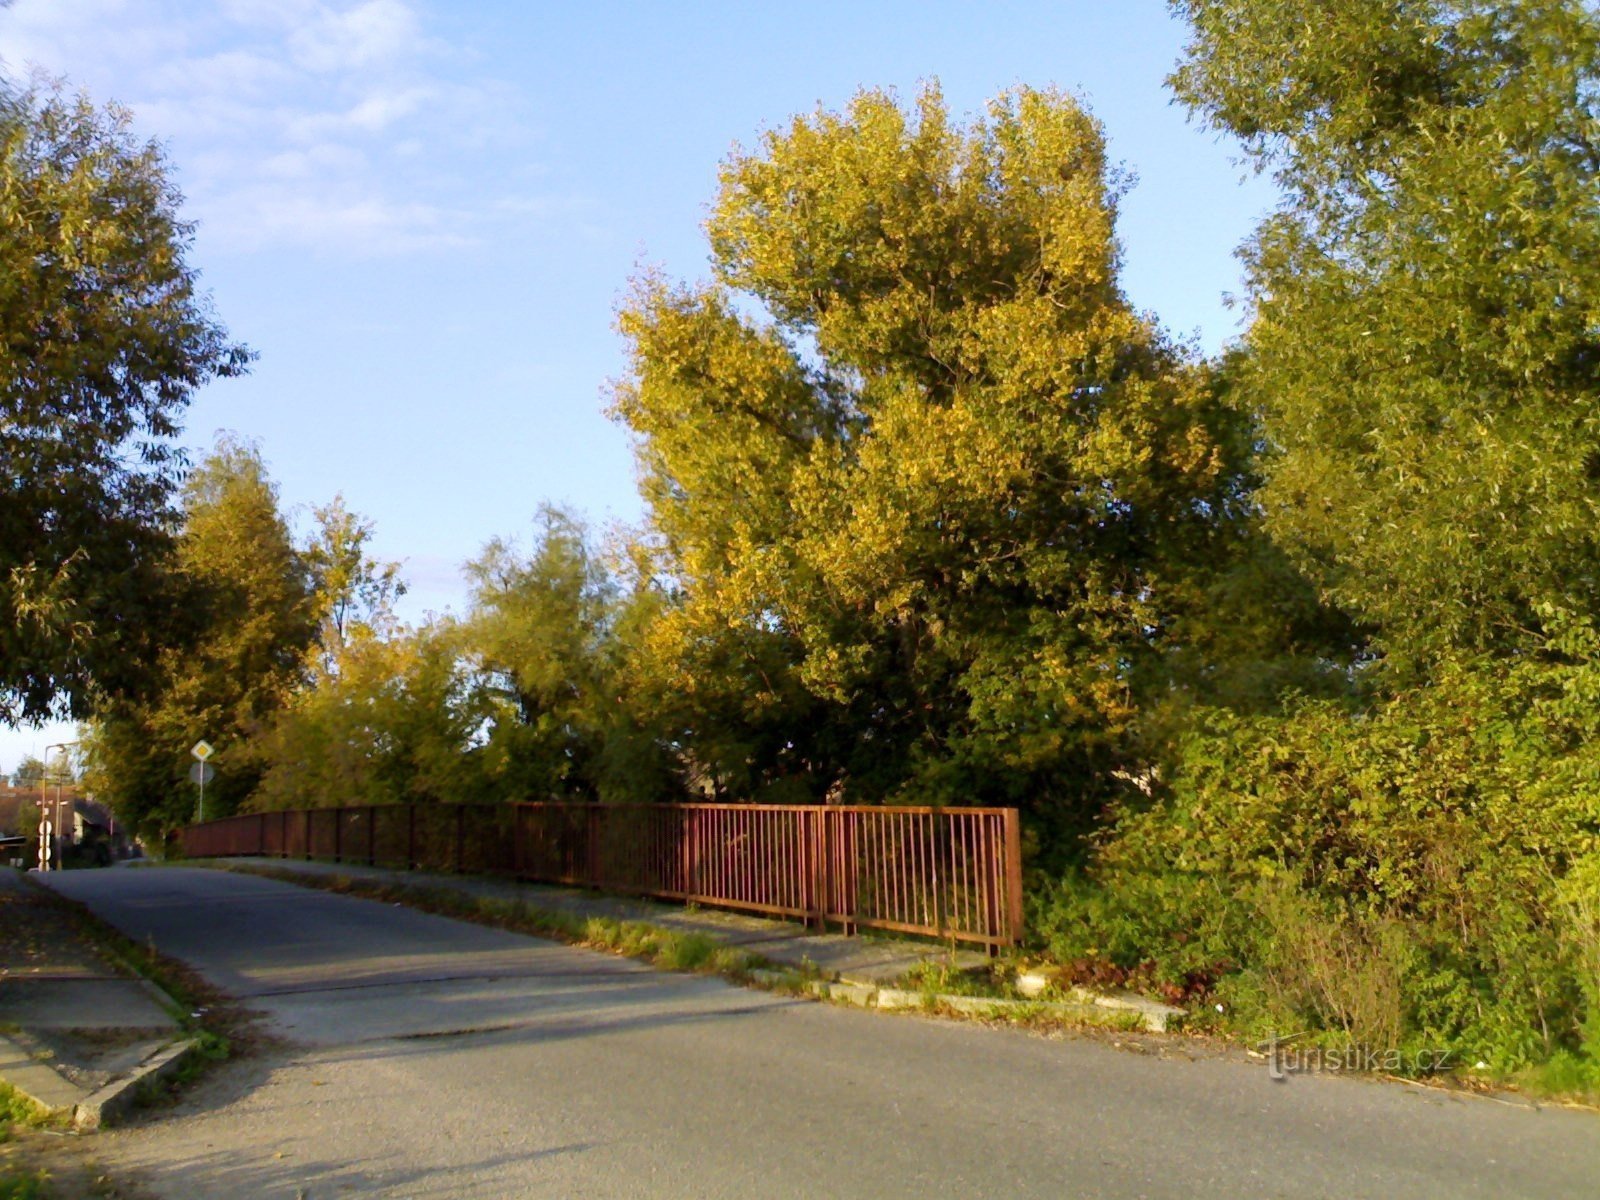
x,y
944,872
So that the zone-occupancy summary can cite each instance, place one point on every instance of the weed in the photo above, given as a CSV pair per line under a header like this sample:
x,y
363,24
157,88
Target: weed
x,y
18,1109
29,1186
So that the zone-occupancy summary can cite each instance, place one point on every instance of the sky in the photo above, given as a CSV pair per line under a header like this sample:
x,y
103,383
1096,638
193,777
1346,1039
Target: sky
x,y
421,214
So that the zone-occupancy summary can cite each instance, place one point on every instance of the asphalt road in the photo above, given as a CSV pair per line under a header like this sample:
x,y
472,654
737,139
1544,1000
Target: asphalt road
x,y
430,1058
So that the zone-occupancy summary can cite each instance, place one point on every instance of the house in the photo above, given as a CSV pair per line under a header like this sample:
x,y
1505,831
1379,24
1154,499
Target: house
x,y
85,824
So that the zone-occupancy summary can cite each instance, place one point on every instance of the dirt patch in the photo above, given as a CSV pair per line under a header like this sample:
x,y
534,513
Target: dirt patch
x,y
69,1165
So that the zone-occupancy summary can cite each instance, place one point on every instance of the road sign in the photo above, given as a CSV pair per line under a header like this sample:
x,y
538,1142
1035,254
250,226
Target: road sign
x,y
202,772
202,750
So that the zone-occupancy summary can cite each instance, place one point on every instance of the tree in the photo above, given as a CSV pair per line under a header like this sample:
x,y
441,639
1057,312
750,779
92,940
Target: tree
x,y
536,637
1425,354
394,723
940,504
355,592
30,773
103,339
250,591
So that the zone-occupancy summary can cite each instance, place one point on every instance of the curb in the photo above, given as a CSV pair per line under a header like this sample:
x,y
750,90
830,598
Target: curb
x,y
111,1103
56,1095
1153,1017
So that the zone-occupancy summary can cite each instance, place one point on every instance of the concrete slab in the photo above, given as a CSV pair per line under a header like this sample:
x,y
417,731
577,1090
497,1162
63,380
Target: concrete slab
x,y
78,1026
89,1002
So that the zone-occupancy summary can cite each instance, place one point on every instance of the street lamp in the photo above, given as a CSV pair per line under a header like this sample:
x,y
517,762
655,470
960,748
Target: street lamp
x,y
58,836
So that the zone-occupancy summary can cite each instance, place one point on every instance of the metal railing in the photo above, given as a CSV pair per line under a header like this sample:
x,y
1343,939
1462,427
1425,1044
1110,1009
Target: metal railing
x,y
943,872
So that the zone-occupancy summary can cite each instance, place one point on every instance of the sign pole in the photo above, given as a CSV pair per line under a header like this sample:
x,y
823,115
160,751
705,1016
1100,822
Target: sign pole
x,y
201,750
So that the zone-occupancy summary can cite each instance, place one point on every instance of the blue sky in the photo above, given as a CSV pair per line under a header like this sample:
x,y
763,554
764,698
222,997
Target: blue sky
x,y
421,213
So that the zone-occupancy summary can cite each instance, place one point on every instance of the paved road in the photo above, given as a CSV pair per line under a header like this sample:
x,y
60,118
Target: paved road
x,y
431,1058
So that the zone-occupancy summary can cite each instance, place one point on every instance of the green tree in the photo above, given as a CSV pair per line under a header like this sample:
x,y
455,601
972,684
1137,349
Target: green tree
x,y
103,339
255,618
394,723
536,637
29,773
940,506
1425,347
355,592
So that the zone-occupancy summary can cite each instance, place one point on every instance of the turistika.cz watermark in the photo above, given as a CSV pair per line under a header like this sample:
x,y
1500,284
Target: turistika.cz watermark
x,y
1286,1055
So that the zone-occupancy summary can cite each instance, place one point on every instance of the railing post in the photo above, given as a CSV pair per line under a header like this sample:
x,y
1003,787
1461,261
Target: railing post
x,y
816,842
683,829
411,837
461,837
338,834
261,834
1013,905
308,835
591,826
372,835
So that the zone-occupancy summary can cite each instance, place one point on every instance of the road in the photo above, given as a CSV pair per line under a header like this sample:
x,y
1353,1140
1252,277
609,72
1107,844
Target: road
x,y
424,1057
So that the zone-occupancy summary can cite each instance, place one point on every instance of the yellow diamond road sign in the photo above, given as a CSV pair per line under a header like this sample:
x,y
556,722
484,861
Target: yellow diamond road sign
x,y
202,750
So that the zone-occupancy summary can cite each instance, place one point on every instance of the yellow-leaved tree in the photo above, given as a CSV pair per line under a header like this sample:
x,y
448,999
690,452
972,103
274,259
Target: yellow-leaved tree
x,y
933,504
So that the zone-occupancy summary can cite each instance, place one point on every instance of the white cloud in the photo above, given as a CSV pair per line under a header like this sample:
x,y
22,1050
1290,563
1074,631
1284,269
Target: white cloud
x,y
374,113
374,32
333,125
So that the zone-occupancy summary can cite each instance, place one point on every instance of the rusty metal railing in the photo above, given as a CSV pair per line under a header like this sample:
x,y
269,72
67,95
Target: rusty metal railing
x,y
943,872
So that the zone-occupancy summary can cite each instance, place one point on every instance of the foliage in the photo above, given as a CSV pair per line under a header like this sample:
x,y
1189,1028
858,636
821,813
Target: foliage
x,y
30,772
31,1186
103,339
934,515
355,593
535,635
1424,353
1425,871
249,592
391,723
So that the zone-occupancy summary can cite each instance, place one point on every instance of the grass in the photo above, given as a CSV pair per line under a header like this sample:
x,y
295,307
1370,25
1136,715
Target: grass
x,y
28,1185
1565,1078
17,1109
941,979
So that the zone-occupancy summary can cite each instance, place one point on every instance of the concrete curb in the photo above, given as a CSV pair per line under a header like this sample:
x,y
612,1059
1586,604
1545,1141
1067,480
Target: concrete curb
x,y
111,1103
58,1096
1153,1017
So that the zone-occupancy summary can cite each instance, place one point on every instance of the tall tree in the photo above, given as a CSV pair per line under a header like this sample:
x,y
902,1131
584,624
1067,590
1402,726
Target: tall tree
x,y
1425,354
249,590
355,592
103,339
536,637
945,482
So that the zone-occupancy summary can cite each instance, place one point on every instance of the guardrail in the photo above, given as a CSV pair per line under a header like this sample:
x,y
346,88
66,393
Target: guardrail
x,y
943,872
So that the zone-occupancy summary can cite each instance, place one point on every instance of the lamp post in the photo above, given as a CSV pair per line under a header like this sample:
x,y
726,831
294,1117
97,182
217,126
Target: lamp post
x,y
63,746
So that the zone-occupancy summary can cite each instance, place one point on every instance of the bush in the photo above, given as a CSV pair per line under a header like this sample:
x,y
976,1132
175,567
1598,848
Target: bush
x,y
1421,873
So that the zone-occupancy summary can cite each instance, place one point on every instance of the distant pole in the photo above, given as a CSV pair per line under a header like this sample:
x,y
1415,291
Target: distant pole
x,y
62,746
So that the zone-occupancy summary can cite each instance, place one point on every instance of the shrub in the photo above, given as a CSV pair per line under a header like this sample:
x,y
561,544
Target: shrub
x,y
1419,872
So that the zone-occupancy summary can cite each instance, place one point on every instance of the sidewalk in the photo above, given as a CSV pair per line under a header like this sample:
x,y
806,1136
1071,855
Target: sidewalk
x,y
868,960
77,1032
